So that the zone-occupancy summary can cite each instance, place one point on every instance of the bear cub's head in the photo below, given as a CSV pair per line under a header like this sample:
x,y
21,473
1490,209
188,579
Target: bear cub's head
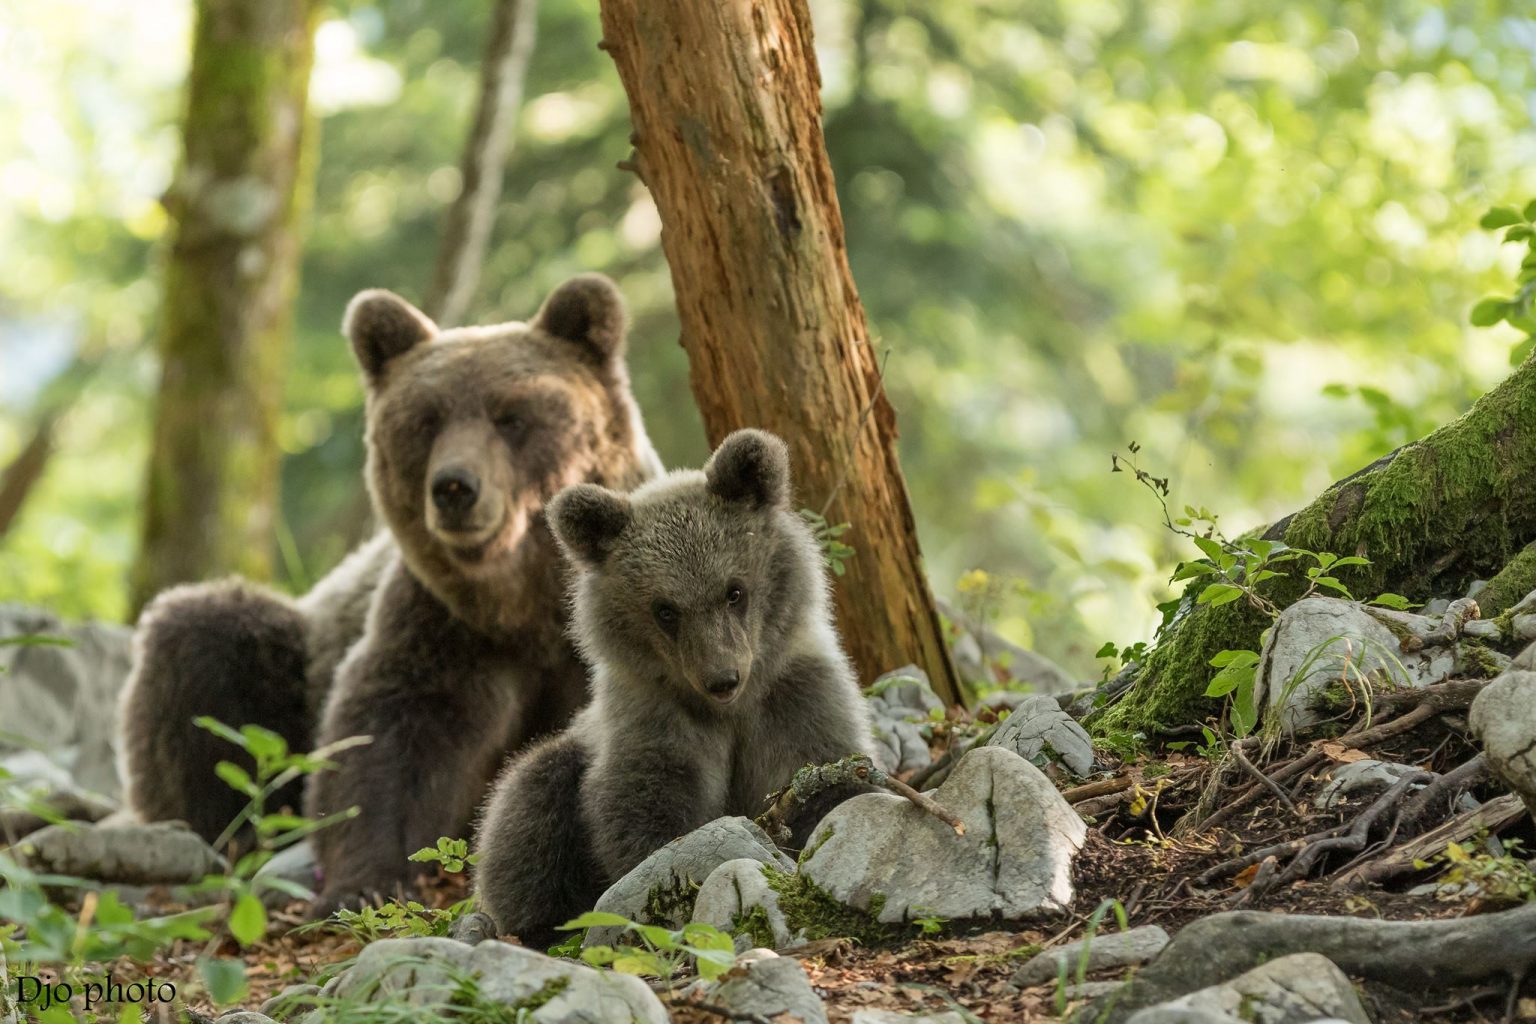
x,y
701,581
472,430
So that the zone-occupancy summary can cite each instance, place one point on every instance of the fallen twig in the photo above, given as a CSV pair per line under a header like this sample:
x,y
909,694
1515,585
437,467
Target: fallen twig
x,y
715,1009
1104,787
1264,780
851,770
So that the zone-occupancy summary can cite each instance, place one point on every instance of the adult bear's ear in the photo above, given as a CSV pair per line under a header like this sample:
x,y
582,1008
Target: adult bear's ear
x,y
588,310
587,521
381,325
750,466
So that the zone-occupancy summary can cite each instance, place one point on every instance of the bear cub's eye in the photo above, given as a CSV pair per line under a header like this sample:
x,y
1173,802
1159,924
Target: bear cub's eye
x,y
735,595
666,615
510,424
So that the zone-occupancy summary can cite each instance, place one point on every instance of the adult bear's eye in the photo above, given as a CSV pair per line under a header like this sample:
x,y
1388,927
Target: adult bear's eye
x,y
735,595
510,425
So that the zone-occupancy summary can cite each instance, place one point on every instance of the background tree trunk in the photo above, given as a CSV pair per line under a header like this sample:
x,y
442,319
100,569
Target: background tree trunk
x,y
727,114
467,227
1450,508
240,195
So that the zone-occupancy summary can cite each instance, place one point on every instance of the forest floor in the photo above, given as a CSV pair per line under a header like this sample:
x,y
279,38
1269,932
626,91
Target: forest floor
x,y
1136,854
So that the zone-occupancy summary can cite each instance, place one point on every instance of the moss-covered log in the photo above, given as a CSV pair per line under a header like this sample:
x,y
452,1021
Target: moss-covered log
x,y
1455,506
238,200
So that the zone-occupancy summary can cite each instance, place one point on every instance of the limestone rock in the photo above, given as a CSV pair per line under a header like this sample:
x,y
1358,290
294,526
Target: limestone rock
x,y
1360,778
660,889
424,972
1295,989
294,866
892,1017
160,853
767,987
1313,640
1503,717
1110,949
66,695
290,1002
879,853
736,893
1038,729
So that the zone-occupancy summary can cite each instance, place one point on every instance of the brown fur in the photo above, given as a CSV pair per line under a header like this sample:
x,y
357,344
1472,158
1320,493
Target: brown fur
x,y
463,656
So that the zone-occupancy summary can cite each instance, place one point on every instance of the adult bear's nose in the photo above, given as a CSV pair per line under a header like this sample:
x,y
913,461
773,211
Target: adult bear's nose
x,y
722,685
455,489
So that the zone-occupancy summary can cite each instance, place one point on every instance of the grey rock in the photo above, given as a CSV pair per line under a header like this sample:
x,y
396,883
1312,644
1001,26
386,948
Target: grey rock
x,y
423,972
1181,1015
473,929
1295,989
1015,859
1322,635
1503,718
982,656
767,988
67,696
161,853
906,688
1526,660
64,803
732,892
293,866
1417,624
1482,629
1523,626
1038,729
290,1002
1476,587
892,1017
244,1017
1358,778
903,739
1110,949
668,878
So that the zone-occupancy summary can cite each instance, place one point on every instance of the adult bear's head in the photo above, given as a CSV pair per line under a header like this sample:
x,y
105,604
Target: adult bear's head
x,y
472,430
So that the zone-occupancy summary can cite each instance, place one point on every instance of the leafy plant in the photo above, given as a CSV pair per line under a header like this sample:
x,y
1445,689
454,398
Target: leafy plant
x,y
397,919
828,537
1507,878
452,854
1518,310
661,952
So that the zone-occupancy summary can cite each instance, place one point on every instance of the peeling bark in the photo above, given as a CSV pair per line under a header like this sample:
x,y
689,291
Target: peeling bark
x,y
725,100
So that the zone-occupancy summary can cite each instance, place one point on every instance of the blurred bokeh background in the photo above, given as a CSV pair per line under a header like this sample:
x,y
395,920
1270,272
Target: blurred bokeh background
x,y
1241,234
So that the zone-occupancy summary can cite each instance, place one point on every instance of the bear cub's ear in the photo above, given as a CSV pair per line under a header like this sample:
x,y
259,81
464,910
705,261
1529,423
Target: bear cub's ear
x,y
750,466
381,325
587,309
587,521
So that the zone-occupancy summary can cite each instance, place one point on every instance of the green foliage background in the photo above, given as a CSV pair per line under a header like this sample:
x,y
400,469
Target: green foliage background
x,y
1242,234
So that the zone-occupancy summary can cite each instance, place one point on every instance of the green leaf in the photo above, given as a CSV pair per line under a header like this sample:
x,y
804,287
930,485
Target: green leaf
x,y
1189,570
236,778
596,919
1109,650
1237,658
1208,547
1218,594
1530,210
1500,217
1397,601
224,979
1488,312
264,744
1519,233
657,936
219,729
248,920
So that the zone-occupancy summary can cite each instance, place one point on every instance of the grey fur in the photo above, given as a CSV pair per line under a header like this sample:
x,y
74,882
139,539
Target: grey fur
x,y
660,755
444,637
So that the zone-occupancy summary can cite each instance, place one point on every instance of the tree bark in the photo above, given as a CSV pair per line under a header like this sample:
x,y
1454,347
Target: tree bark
x,y
240,195
467,228
727,114
1433,516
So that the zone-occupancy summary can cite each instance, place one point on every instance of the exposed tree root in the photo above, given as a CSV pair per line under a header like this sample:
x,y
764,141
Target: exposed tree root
x,y
1410,955
854,770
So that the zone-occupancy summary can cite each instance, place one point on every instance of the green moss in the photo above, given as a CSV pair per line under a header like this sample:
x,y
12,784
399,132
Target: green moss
x,y
755,923
1510,584
811,911
1453,507
670,903
1477,653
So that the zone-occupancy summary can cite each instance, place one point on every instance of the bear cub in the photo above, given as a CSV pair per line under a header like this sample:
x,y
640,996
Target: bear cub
x,y
699,603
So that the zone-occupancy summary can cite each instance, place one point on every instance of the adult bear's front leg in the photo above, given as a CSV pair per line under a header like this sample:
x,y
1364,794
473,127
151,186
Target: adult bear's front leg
x,y
439,704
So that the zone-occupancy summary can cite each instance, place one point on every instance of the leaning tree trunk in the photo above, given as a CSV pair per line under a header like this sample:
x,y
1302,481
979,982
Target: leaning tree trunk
x,y
1455,506
727,115
467,227
225,319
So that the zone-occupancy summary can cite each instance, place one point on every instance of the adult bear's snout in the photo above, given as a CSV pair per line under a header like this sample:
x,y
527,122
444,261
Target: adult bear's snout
x,y
455,490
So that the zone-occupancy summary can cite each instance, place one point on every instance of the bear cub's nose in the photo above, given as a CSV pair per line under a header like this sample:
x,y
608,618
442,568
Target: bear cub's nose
x,y
722,684
455,490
